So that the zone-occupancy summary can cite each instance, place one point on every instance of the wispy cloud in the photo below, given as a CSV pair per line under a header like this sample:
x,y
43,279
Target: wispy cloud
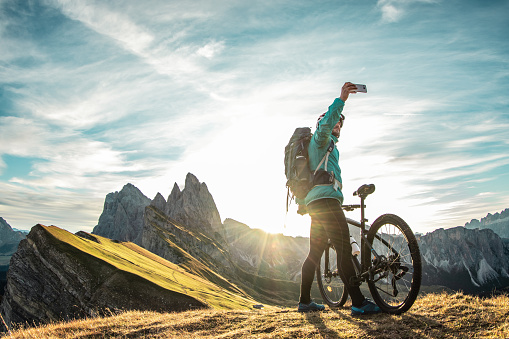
x,y
110,23
394,10
98,94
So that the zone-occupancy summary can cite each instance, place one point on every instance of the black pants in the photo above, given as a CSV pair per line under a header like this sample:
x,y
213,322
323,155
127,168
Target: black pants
x,y
328,222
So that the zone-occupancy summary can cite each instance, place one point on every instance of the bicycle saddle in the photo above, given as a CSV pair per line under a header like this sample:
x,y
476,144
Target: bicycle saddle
x,y
364,190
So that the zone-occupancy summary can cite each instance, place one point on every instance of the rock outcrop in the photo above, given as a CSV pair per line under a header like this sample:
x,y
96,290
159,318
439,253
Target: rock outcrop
x,y
122,216
194,206
474,261
53,278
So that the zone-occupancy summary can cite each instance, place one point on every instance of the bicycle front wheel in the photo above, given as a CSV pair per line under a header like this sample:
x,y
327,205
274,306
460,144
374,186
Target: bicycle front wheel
x,y
397,272
331,286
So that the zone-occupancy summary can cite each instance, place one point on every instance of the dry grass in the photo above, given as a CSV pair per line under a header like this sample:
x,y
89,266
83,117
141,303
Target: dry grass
x,y
432,316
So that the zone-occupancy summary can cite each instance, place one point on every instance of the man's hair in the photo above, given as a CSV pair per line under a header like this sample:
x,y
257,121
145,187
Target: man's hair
x,y
320,119
341,118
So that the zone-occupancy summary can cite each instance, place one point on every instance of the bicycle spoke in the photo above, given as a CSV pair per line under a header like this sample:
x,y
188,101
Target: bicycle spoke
x,y
330,284
397,284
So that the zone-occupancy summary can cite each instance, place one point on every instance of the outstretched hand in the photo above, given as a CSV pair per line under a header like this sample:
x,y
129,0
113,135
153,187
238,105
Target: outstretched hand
x,y
347,88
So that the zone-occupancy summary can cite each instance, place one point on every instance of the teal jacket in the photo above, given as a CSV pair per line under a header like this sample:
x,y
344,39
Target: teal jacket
x,y
318,148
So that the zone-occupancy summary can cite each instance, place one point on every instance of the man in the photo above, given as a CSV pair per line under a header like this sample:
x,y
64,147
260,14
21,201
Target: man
x,y
328,221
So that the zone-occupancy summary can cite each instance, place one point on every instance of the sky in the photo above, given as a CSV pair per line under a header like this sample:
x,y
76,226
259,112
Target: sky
x,y
96,94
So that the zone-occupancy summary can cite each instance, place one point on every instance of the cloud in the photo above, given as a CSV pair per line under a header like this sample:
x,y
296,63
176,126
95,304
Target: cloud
x,y
394,10
25,207
211,49
113,24
171,51
144,92
68,160
390,13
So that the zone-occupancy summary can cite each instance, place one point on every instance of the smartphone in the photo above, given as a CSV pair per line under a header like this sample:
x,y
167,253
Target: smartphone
x,y
361,88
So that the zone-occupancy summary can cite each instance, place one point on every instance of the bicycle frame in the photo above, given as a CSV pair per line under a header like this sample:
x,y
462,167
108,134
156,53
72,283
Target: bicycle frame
x,y
389,262
364,269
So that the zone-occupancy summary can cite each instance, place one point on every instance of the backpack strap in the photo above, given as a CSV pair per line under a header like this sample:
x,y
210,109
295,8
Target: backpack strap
x,y
326,156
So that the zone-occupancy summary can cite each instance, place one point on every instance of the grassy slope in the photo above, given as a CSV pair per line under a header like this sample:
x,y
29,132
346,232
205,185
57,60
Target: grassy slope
x,y
131,258
266,290
432,316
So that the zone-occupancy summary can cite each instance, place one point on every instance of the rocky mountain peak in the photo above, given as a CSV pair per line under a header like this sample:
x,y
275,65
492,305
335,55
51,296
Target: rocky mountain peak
x,y
122,216
159,202
467,259
9,238
498,222
192,181
4,226
194,206
174,196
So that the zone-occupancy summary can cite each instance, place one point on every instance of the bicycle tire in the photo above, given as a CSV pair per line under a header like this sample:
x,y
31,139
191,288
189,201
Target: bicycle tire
x,y
396,286
331,287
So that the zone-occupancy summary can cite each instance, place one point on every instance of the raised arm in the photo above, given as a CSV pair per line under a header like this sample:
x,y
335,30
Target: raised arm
x,y
331,118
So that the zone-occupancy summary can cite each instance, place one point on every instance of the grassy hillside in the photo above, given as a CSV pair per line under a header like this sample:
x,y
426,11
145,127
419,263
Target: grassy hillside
x,y
133,259
195,252
432,316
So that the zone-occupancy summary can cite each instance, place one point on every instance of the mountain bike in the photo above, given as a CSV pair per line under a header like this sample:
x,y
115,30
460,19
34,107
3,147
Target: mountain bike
x,y
389,261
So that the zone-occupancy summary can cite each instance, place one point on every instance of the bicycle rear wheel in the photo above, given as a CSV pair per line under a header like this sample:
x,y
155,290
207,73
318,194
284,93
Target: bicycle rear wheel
x,y
397,275
331,286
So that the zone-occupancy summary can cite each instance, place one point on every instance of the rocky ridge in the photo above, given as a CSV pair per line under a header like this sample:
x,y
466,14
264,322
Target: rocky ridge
x,y
55,275
188,225
189,219
122,216
194,206
498,222
458,258
474,261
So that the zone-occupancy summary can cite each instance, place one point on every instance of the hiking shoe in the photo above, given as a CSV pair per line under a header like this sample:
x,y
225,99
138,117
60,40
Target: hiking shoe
x,y
367,307
311,307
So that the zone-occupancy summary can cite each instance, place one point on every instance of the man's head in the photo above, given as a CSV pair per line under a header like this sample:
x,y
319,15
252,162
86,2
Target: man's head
x,y
337,129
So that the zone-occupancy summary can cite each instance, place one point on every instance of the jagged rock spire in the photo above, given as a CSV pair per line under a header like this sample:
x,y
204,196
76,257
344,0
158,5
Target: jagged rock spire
x,y
194,206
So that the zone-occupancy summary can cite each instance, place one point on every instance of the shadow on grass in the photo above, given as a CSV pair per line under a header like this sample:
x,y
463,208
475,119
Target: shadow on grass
x,y
381,326
315,319
407,325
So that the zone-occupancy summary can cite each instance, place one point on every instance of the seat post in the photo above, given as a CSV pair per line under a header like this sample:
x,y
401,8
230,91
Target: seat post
x,y
363,219
364,244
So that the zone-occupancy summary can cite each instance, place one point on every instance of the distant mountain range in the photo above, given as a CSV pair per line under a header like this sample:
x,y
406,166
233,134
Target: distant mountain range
x,y
474,261
498,222
461,258
185,230
9,240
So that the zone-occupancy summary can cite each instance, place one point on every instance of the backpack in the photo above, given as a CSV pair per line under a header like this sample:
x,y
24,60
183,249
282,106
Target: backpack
x,y
300,178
